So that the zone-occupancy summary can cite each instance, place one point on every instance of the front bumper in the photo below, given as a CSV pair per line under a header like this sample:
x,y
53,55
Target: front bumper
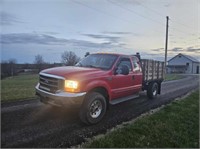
x,y
60,98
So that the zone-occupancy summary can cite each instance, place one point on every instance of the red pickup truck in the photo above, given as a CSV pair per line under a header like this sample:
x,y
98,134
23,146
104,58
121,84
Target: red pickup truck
x,y
99,80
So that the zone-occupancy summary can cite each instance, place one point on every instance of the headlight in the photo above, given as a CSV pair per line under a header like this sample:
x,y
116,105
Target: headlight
x,y
71,86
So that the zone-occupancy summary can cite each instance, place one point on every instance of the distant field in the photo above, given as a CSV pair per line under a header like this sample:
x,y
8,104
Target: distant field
x,y
18,87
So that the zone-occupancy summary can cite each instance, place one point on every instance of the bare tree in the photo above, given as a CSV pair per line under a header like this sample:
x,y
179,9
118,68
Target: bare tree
x,y
39,62
87,53
5,72
69,58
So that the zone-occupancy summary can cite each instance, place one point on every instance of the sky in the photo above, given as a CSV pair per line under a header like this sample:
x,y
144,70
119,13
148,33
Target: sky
x,y
50,27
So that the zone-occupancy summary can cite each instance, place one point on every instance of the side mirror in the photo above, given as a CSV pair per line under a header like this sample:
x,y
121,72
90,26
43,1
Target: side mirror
x,y
123,69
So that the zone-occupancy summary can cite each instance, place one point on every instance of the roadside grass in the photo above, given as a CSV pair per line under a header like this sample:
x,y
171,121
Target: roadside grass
x,y
174,126
169,77
18,87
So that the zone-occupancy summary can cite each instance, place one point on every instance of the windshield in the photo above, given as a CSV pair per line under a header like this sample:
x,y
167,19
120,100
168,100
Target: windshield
x,y
102,61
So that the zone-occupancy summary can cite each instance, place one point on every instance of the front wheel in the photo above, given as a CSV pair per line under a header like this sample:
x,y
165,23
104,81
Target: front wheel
x,y
93,108
152,90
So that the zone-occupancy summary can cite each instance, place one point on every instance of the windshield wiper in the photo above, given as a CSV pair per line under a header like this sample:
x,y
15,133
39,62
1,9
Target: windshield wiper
x,y
79,64
91,66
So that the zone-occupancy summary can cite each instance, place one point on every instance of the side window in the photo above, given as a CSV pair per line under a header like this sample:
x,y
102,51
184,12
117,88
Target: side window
x,y
125,61
136,66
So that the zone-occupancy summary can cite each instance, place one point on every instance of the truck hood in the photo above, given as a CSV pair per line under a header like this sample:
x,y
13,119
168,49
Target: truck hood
x,y
76,73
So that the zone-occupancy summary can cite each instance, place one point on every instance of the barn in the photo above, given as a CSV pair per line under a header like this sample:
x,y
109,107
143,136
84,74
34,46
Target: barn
x,y
182,63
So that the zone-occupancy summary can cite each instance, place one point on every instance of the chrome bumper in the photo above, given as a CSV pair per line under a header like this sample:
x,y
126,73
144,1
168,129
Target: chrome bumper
x,y
60,98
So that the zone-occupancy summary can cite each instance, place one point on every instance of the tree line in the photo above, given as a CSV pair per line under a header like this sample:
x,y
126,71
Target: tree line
x,y
11,68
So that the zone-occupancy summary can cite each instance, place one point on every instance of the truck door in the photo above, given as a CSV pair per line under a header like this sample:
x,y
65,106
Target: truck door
x,y
137,74
122,85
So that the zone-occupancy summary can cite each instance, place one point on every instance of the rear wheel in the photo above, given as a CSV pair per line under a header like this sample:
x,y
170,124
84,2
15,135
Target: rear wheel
x,y
152,90
93,108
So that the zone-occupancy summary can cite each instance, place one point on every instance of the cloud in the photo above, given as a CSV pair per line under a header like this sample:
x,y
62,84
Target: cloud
x,y
8,19
167,5
43,39
88,44
121,33
158,49
109,41
176,49
192,49
126,2
24,38
51,33
162,50
114,39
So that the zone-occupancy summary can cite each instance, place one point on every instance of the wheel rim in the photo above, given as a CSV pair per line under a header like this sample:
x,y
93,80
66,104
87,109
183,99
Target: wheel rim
x,y
155,91
95,109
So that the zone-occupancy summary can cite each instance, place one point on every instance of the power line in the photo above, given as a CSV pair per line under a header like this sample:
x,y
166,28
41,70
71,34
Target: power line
x,y
130,10
158,13
183,42
180,31
111,15
98,10
186,26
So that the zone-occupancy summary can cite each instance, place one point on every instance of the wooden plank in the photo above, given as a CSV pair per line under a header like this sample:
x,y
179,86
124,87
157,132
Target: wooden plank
x,y
152,69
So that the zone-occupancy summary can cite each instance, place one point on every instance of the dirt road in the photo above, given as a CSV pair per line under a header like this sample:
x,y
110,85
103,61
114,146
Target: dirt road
x,y
32,124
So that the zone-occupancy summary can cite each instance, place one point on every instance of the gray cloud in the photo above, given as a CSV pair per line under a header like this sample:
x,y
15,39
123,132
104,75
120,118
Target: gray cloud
x,y
167,5
192,49
121,33
158,49
126,2
176,49
24,38
8,19
35,38
113,39
51,33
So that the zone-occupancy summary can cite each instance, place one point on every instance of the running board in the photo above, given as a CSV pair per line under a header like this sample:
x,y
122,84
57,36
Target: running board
x,y
116,101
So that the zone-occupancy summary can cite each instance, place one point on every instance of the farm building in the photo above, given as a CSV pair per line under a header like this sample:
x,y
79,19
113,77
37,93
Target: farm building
x,y
182,63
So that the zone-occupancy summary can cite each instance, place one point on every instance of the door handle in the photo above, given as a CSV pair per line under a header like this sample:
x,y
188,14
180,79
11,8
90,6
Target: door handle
x,y
133,77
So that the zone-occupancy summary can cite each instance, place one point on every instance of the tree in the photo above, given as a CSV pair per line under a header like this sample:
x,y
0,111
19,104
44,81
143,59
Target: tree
x,y
8,68
39,62
87,53
69,58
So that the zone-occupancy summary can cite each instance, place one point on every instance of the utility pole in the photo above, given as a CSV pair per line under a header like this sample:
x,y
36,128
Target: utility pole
x,y
166,43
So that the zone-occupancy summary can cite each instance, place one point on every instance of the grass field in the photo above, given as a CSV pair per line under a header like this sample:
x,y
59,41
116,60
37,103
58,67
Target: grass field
x,y
169,77
174,126
18,87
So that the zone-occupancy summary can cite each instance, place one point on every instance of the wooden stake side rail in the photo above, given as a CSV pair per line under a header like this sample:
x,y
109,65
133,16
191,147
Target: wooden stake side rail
x,y
152,70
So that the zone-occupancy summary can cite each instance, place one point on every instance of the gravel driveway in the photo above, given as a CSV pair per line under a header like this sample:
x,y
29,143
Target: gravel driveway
x,y
32,124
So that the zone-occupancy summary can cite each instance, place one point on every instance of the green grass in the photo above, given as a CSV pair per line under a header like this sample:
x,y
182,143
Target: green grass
x,y
174,126
169,77
18,87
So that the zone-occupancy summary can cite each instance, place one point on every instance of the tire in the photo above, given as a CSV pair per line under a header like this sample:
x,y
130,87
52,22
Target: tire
x,y
152,90
93,108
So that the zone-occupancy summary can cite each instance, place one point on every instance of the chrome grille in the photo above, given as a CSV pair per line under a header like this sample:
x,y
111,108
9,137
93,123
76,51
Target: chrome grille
x,y
50,84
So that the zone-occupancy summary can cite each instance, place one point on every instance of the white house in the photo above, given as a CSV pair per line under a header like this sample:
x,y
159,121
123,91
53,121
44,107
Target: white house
x,y
182,63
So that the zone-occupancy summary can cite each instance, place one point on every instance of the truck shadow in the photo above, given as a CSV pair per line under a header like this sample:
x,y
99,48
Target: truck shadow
x,y
45,113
